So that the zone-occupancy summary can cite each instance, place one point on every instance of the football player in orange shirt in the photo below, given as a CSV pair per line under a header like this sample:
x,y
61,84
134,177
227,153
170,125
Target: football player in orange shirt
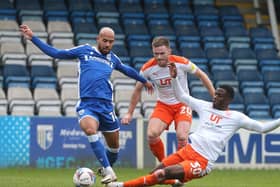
x,y
168,108
217,124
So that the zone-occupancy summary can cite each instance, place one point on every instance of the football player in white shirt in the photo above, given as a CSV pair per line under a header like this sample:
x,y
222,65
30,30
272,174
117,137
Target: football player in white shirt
x,y
217,124
167,108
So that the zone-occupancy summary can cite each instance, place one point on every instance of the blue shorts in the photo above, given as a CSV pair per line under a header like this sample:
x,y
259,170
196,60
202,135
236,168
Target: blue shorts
x,y
102,111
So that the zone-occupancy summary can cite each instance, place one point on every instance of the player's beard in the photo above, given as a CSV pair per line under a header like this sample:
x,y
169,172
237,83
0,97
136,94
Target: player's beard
x,y
104,50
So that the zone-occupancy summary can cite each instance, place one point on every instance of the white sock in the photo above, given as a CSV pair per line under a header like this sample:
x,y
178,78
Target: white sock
x,y
109,170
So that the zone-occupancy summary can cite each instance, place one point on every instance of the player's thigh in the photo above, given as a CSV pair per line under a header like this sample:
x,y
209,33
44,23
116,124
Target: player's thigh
x,y
112,139
174,172
163,112
88,119
109,122
182,129
89,124
155,127
183,120
183,113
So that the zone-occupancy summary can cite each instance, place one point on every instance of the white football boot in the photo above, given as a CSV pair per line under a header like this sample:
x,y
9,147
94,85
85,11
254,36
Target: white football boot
x,y
114,184
109,176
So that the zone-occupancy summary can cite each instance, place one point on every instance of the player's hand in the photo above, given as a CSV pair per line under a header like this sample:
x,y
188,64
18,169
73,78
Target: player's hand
x,y
126,119
149,87
172,70
26,31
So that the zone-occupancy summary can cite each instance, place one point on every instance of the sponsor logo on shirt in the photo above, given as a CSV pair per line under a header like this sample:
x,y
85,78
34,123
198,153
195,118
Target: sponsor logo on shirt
x,y
98,59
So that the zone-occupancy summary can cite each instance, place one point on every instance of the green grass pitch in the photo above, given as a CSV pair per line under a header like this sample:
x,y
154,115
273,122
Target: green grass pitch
x,y
30,177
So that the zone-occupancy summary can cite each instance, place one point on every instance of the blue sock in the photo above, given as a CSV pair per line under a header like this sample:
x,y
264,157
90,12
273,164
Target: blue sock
x,y
112,155
99,150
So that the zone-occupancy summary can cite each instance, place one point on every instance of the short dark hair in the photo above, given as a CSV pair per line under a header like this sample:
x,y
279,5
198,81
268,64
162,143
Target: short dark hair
x,y
228,89
160,41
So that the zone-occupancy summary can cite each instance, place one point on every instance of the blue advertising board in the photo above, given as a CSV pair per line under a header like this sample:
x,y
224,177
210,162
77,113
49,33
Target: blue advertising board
x,y
59,142
14,141
245,149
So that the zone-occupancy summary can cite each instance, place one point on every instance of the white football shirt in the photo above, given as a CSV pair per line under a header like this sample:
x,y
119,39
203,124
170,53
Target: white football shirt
x,y
161,79
216,127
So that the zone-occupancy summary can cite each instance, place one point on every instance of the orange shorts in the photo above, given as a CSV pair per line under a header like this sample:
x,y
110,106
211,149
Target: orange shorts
x,y
193,163
168,113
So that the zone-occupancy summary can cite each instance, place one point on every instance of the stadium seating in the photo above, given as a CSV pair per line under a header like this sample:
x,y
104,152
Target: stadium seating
x,y
42,74
79,5
69,98
223,72
139,49
130,6
16,74
246,73
215,38
47,101
83,22
160,27
136,26
243,56
20,100
201,93
104,5
196,54
179,6
218,55
155,6
148,102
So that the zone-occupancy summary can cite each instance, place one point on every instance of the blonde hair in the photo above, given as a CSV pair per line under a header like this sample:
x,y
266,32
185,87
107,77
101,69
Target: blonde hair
x,y
160,41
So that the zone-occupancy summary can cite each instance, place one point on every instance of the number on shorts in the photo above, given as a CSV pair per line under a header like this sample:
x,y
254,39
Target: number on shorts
x,y
195,168
186,110
113,115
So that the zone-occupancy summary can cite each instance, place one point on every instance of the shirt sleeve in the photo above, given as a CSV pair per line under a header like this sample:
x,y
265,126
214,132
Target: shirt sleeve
x,y
54,52
130,72
183,97
254,125
190,67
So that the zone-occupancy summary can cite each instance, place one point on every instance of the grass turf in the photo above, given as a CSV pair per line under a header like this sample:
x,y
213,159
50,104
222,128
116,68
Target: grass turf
x,y
30,177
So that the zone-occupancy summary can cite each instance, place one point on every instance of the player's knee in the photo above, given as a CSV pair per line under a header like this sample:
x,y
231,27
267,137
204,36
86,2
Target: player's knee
x,y
160,174
182,138
181,135
89,131
181,144
153,139
88,127
152,134
113,150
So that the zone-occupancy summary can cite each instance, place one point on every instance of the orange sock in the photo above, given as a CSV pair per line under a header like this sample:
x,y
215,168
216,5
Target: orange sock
x,y
147,180
157,149
168,181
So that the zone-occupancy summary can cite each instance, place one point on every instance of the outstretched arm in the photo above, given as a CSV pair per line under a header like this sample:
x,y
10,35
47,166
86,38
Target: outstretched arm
x,y
257,126
47,49
129,71
206,81
180,94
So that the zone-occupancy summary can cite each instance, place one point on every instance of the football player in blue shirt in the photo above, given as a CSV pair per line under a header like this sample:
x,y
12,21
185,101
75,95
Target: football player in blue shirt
x,y
95,108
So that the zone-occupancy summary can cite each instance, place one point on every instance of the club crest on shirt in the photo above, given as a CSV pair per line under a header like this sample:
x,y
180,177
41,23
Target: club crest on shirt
x,y
81,112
